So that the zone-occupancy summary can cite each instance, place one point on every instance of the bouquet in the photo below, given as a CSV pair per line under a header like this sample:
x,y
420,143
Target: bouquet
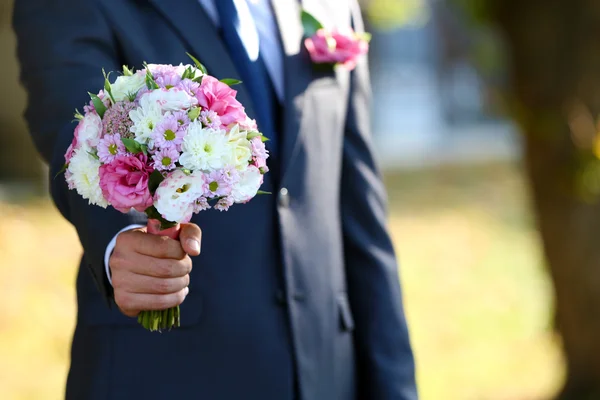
x,y
169,141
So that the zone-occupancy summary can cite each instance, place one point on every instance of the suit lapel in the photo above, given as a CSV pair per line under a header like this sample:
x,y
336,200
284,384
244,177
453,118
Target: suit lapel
x,y
298,69
297,76
202,38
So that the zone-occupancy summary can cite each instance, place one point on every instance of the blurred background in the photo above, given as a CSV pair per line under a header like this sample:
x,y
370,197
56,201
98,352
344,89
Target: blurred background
x,y
485,124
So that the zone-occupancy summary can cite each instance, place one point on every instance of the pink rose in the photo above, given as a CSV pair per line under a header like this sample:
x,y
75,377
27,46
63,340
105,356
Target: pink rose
x,y
220,98
124,182
72,147
336,48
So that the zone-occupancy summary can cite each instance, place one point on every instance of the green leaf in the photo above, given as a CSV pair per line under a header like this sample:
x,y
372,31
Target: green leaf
x,y
264,139
150,82
262,192
194,113
198,64
144,148
153,213
107,87
154,180
78,115
98,104
198,79
188,73
127,71
93,155
132,146
366,36
131,96
310,23
62,169
231,82
252,135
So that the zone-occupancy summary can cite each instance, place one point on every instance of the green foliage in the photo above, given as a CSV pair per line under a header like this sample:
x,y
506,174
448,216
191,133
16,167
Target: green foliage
x,y
98,104
134,147
198,64
310,23
231,82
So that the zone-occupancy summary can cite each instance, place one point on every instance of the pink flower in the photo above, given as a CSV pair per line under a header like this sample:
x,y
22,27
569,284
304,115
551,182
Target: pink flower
x,y
219,182
336,48
109,147
72,147
116,119
124,182
224,203
210,119
165,158
168,80
220,98
182,118
258,148
168,133
188,86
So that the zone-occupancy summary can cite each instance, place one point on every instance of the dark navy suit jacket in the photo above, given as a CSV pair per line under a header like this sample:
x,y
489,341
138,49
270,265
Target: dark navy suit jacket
x,y
295,295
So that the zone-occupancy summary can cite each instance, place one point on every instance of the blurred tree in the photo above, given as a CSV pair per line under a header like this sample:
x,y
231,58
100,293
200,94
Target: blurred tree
x,y
554,53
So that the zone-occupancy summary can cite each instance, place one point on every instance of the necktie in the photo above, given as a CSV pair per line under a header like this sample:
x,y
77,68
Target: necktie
x,y
253,72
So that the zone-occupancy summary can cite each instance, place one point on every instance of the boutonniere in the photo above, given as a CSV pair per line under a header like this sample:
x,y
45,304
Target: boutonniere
x,y
333,47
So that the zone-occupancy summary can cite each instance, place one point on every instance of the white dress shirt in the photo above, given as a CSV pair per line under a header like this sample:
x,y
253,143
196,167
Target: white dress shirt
x,y
260,35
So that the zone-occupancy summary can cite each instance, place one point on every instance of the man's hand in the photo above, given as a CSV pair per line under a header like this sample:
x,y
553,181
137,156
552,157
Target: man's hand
x,y
151,272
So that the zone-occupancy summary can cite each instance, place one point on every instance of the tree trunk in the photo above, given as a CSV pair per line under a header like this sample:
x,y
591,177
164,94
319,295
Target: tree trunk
x,y
554,49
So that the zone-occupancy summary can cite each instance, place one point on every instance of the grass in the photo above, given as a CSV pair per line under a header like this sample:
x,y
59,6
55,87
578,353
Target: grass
x,y
476,295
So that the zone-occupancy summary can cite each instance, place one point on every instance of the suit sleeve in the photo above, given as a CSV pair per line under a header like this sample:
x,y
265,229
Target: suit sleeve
x,y
62,46
385,359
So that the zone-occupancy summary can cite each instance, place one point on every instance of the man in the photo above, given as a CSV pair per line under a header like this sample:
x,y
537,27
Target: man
x,y
295,295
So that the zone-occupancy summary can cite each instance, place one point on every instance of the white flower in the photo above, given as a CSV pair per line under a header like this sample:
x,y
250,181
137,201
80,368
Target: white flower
x,y
85,178
88,131
205,149
125,86
145,118
172,99
242,152
248,185
176,196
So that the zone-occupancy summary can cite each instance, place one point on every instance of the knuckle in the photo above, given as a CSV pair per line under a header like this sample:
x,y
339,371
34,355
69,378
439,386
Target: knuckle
x,y
162,286
163,269
122,299
122,239
162,246
163,302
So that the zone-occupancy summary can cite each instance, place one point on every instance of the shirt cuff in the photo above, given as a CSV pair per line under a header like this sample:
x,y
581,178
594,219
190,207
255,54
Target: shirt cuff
x,y
111,247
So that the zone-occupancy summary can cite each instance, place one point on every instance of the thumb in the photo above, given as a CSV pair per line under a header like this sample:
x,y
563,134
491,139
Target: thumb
x,y
191,239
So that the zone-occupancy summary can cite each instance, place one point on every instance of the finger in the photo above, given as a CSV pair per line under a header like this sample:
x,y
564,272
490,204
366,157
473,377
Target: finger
x,y
132,303
191,239
134,283
150,266
151,245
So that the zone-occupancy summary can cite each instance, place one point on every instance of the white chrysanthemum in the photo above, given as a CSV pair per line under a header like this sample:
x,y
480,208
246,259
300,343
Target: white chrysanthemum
x,y
145,118
242,151
176,196
125,86
172,99
205,149
248,185
88,131
84,176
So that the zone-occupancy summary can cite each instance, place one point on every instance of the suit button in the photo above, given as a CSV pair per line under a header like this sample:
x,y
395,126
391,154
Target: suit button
x,y
283,199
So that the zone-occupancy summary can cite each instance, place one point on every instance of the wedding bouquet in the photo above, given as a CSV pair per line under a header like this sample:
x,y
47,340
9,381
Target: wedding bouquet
x,y
169,141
